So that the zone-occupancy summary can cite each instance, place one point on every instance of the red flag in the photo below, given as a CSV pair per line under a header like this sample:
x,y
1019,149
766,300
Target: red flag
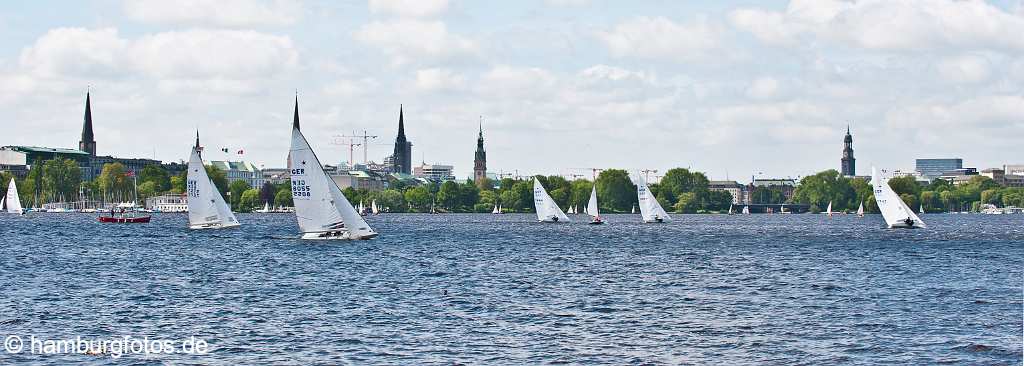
x,y
130,173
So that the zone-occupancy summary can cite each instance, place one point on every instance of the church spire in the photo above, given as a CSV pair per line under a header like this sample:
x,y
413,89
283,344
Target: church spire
x,y
88,141
197,138
295,120
401,122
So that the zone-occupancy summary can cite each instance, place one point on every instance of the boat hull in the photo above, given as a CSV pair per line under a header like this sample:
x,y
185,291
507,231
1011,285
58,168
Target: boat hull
x,y
215,225
125,220
335,235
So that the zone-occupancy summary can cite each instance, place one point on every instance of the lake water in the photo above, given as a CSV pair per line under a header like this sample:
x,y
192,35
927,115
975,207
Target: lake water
x,y
490,289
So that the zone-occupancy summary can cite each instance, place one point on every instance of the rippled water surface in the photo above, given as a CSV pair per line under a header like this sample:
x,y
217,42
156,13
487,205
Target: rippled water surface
x,y
489,289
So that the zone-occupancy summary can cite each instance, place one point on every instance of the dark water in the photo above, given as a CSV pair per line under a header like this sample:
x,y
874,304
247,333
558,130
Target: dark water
x,y
487,289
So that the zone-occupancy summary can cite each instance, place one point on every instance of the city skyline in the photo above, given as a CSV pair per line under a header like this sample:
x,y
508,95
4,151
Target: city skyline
x,y
590,97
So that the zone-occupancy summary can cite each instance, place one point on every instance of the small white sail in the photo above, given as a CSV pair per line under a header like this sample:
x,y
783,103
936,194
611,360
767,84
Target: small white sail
x,y
730,209
633,210
894,210
13,202
495,210
860,210
206,207
592,209
499,209
828,211
374,208
921,209
321,209
746,210
547,209
650,209
362,209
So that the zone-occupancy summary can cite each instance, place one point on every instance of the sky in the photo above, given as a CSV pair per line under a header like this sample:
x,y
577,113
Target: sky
x,y
731,88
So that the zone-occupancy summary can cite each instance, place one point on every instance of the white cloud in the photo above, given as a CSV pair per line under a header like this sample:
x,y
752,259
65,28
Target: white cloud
x,y
504,79
77,51
228,13
886,25
406,40
965,69
214,53
439,80
991,119
661,38
763,88
409,8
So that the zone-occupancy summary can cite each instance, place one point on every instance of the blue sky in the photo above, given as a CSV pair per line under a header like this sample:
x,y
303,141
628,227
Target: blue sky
x,y
728,87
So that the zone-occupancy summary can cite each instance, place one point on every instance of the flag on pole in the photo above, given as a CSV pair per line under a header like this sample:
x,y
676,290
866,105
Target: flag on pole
x,y
130,173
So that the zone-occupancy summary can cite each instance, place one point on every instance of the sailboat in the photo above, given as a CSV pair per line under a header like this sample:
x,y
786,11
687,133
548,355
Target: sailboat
x,y
894,210
650,209
828,211
921,209
206,207
362,209
265,209
500,211
321,209
730,209
592,208
374,208
633,210
860,210
495,210
746,210
547,209
13,202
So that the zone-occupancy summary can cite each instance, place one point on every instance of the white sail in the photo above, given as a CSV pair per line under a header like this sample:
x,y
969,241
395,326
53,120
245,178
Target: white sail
x,y
13,202
894,210
499,208
374,208
320,208
650,209
206,207
730,209
921,209
828,211
547,209
860,210
495,210
746,210
633,210
592,209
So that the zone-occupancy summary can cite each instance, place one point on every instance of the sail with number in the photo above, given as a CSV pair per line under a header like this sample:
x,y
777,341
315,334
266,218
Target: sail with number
x,y
650,209
547,209
206,207
896,213
13,202
321,209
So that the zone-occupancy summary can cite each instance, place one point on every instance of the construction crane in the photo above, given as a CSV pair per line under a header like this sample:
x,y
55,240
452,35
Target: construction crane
x,y
366,144
341,140
593,172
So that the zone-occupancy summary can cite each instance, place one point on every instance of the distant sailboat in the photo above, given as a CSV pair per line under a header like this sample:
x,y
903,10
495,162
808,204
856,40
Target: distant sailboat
x,y
860,210
362,209
592,208
633,210
321,209
828,211
374,208
894,210
650,209
206,208
495,210
547,209
746,210
921,209
13,202
265,209
730,209
500,211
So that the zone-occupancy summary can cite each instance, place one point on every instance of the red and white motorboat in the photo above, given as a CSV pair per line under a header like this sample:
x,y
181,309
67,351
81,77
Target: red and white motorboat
x,y
124,217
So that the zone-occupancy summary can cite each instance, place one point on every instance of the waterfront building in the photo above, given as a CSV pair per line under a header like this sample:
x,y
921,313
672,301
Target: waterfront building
x,y
929,169
402,156
784,185
240,170
276,175
168,203
357,177
1013,169
480,158
434,172
738,191
848,162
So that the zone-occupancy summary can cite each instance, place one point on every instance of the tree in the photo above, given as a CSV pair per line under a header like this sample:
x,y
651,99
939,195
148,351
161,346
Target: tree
x,y
687,203
930,200
146,190
771,195
992,196
520,196
268,193
283,198
616,191
178,183
391,200
469,195
236,189
824,187
112,179
905,185
910,200
448,195
718,201
156,174
419,198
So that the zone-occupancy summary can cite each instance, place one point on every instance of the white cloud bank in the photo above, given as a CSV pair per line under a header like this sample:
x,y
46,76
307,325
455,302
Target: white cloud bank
x,y
224,13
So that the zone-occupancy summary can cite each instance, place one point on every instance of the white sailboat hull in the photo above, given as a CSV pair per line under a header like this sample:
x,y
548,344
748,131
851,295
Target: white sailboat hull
x,y
336,235
213,225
